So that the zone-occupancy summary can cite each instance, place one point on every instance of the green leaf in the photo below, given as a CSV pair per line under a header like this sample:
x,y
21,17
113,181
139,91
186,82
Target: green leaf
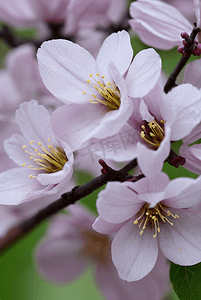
x,y
186,281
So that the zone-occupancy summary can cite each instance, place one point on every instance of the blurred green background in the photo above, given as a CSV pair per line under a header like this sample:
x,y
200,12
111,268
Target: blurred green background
x,y
19,279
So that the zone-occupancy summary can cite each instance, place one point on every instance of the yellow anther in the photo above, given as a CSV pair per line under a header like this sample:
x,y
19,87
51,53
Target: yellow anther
x,y
179,249
83,92
110,95
31,142
49,160
88,81
153,133
152,216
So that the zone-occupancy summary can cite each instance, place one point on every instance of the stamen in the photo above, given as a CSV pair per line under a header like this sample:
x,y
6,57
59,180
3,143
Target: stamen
x,y
151,216
153,133
47,160
109,92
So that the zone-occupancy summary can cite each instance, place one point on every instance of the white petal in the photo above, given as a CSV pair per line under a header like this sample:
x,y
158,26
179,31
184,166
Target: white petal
x,y
143,73
117,49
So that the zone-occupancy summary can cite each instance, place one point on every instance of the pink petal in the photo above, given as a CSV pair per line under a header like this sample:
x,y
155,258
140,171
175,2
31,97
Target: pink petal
x,y
13,147
39,129
102,226
192,164
16,186
150,185
114,288
73,123
181,243
119,147
151,161
192,73
134,255
143,73
185,102
183,192
158,24
117,49
58,260
65,68
117,203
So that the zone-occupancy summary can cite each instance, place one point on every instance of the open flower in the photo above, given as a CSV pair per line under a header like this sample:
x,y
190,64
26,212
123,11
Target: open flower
x,y
71,245
96,91
149,214
157,119
23,79
45,162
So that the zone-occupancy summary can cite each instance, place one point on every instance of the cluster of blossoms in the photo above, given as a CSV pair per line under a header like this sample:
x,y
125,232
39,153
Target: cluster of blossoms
x,y
78,95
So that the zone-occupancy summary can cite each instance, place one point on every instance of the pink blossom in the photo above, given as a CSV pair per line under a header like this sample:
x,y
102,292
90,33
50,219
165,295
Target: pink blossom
x,y
151,214
23,79
45,162
17,13
158,24
157,120
89,14
95,90
30,12
71,245
54,11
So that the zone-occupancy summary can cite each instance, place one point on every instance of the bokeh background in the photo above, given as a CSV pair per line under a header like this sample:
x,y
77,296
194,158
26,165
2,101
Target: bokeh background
x,y
19,279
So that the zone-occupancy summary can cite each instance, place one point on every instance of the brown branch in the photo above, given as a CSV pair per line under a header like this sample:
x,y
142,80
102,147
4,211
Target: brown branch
x,y
77,193
171,82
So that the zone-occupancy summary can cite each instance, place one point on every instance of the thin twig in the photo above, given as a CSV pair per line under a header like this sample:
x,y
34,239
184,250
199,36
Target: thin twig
x,y
77,193
171,82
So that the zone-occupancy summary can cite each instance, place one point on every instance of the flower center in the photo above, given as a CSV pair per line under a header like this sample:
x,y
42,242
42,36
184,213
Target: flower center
x,y
153,133
96,246
151,217
109,92
49,161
